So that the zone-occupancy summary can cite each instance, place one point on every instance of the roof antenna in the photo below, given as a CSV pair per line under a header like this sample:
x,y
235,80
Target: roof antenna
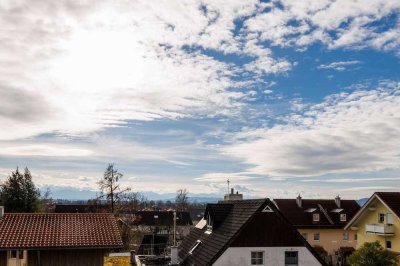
x,y
228,185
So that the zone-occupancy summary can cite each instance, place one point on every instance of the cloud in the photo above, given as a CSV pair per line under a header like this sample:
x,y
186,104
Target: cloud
x,y
339,65
223,177
347,132
80,67
353,180
340,23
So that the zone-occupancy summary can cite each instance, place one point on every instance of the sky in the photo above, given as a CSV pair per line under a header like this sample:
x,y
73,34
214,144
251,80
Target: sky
x,y
281,97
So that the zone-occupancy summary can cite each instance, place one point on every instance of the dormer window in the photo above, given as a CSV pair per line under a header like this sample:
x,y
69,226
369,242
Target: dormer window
x,y
343,217
315,217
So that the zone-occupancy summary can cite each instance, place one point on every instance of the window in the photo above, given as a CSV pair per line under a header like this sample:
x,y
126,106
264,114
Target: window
x,y
389,218
315,217
345,236
305,235
257,258
291,258
317,236
355,237
13,254
343,217
388,244
381,218
198,242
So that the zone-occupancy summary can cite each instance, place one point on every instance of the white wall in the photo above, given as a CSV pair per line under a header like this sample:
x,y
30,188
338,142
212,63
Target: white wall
x,y
273,256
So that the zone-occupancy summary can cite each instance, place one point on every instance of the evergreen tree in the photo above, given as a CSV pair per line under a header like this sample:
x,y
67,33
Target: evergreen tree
x,y
372,254
19,194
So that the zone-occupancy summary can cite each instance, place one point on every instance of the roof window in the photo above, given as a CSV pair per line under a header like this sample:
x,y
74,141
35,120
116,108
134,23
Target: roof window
x,y
198,242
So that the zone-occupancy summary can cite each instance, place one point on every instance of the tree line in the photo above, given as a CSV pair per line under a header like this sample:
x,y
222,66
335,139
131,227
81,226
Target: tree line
x,y
18,193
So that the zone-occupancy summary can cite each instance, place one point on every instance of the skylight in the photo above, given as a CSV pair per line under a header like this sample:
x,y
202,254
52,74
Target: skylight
x,y
310,210
198,242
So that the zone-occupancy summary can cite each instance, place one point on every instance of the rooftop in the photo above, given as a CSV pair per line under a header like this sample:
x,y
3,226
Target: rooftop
x,y
58,230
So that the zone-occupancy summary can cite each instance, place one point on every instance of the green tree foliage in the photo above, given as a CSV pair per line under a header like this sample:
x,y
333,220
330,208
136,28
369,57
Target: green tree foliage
x,y
19,194
372,254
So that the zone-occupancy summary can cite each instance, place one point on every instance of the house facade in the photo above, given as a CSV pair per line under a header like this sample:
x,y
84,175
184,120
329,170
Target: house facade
x,y
48,239
245,232
321,221
378,220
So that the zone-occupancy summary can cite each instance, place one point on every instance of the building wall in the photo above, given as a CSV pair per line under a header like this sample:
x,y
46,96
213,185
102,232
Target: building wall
x,y
81,257
241,256
371,217
330,239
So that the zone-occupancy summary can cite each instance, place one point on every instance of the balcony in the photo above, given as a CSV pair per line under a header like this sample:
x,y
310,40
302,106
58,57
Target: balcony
x,y
380,229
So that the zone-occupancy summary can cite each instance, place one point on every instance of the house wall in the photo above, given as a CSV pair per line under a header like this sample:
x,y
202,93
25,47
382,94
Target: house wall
x,y
241,256
330,239
371,217
81,257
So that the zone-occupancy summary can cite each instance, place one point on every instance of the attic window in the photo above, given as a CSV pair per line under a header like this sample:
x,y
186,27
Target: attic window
x,y
198,242
267,209
343,217
315,217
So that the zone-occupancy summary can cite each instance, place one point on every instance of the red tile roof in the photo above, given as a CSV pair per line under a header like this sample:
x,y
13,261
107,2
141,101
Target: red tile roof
x,y
58,230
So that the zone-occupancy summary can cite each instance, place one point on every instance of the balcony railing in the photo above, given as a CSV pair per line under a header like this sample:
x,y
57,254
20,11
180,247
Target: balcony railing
x,y
380,229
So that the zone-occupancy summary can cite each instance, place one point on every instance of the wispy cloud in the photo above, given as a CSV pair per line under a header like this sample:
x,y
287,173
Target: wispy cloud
x,y
336,24
348,132
339,65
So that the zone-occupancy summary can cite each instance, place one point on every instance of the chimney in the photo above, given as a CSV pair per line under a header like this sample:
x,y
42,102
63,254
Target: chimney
x,y
337,201
1,212
174,255
233,195
298,201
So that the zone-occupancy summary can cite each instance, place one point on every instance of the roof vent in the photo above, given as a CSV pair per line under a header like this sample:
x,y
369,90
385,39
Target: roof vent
x,y
337,201
1,211
298,200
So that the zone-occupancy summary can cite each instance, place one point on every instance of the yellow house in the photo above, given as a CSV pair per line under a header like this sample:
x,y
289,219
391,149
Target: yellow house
x,y
378,220
322,221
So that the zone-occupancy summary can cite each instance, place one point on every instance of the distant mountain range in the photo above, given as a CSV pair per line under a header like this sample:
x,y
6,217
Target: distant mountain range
x,y
69,193
362,201
74,194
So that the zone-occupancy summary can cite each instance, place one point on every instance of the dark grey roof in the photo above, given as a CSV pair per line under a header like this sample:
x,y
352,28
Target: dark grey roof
x,y
241,219
327,208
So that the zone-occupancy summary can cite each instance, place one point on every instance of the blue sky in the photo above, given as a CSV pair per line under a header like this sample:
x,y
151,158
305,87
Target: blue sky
x,y
281,97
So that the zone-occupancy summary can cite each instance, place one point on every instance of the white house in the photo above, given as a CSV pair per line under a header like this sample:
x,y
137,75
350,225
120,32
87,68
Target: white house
x,y
246,232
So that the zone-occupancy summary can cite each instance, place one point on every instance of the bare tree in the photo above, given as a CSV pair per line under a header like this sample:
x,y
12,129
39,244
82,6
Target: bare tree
x,y
109,186
182,200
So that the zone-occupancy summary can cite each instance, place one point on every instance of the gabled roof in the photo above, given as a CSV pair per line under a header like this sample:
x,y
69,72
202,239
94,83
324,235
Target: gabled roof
x,y
241,226
161,218
329,212
58,231
390,199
